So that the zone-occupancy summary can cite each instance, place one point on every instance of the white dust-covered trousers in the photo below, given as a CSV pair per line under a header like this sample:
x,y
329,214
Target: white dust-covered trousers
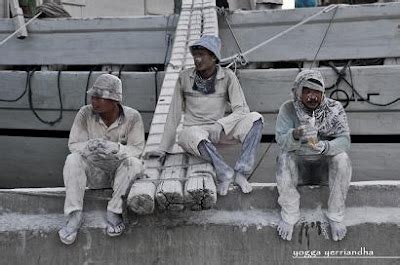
x,y
79,173
287,174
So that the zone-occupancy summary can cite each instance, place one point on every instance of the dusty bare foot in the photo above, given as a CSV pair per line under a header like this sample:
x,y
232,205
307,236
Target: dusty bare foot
x,y
285,230
338,230
223,187
242,182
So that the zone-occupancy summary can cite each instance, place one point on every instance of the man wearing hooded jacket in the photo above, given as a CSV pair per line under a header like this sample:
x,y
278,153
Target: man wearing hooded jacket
x,y
312,129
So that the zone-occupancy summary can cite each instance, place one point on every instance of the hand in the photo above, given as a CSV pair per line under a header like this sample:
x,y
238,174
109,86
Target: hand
x,y
108,147
102,147
215,132
159,154
305,133
320,147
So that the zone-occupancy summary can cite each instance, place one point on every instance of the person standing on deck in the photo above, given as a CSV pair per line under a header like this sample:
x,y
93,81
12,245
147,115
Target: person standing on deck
x,y
202,93
105,141
312,128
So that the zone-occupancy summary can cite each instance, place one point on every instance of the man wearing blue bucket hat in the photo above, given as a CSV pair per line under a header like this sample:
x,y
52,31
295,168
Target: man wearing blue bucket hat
x,y
202,93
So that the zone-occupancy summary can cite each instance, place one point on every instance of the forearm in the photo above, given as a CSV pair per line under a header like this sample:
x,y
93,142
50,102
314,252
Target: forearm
x,y
338,145
286,141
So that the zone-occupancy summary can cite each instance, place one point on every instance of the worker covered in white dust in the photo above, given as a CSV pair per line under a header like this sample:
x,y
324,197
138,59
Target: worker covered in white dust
x,y
105,141
202,93
312,128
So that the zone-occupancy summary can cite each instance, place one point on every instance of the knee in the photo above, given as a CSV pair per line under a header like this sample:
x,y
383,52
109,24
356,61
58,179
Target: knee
x,y
255,117
73,159
190,138
187,134
341,159
133,163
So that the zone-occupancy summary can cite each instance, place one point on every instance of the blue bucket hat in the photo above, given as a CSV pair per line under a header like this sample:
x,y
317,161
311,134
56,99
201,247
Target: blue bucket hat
x,y
211,43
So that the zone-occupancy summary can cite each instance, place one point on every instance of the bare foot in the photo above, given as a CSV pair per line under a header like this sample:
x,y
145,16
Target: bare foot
x,y
338,230
242,182
223,187
285,230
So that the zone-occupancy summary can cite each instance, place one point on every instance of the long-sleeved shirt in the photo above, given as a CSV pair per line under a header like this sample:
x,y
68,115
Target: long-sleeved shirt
x,y
287,121
127,130
202,109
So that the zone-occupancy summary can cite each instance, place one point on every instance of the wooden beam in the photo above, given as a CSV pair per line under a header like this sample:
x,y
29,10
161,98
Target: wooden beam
x,y
361,123
25,119
141,195
94,41
38,161
200,191
370,161
139,89
169,192
266,90
356,32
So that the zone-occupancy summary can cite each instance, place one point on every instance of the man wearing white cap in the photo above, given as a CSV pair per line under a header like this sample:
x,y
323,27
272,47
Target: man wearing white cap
x,y
202,93
312,129
105,141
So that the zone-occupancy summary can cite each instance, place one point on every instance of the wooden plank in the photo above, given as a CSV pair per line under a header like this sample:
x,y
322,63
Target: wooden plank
x,y
200,191
169,193
363,31
139,89
38,161
141,195
266,90
361,123
370,161
32,162
94,41
26,120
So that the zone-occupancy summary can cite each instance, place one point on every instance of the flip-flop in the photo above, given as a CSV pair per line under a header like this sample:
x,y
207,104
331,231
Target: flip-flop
x,y
111,228
71,237
65,240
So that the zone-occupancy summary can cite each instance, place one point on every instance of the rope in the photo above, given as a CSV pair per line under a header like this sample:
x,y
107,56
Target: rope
x,y
30,95
323,39
242,56
342,76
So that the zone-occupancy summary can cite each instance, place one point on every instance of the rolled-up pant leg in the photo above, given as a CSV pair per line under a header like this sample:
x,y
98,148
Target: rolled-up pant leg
x,y
194,140
287,179
246,160
126,171
340,171
209,153
75,178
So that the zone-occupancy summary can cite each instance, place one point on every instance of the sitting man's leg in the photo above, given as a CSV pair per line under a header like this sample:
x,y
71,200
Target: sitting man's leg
x,y
127,170
245,164
74,174
289,197
194,140
224,172
339,181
